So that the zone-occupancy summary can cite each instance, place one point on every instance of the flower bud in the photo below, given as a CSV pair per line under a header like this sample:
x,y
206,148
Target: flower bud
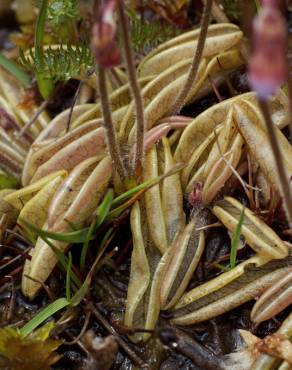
x,y
268,66
195,197
103,44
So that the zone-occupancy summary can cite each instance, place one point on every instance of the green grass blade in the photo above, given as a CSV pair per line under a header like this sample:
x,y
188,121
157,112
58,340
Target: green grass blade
x,y
101,213
144,186
116,212
43,315
135,193
63,260
235,239
69,278
15,70
128,194
74,237
81,293
86,244
40,24
104,208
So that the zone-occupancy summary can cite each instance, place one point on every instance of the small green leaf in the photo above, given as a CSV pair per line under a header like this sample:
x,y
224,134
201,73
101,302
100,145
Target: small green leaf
x,y
235,239
43,315
15,70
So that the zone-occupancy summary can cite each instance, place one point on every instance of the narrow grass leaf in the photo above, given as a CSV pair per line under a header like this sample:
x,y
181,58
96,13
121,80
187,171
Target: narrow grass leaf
x,y
85,246
15,70
63,261
136,192
104,208
128,194
69,278
81,293
145,185
235,239
101,213
43,315
74,237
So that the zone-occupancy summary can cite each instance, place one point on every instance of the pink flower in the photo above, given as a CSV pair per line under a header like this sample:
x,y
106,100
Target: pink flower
x,y
103,44
268,65
272,3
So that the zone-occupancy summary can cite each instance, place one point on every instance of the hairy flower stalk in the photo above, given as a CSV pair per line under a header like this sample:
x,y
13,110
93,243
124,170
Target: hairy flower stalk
x,y
192,74
136,168
268,70
112,141
107,55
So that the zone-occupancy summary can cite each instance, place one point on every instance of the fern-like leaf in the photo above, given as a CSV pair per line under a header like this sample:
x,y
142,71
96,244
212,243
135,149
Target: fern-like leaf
x,y
147,35
59,64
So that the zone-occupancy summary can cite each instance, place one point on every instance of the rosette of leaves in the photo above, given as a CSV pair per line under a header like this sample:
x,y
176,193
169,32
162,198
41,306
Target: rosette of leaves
x,y
58,64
